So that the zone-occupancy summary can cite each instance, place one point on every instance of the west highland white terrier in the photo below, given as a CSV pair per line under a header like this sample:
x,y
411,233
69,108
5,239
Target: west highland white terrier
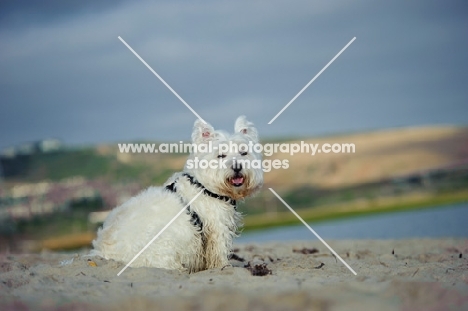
x,y
202,237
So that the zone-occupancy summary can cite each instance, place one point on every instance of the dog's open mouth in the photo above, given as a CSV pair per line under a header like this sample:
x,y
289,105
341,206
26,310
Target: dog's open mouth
x,y
237,181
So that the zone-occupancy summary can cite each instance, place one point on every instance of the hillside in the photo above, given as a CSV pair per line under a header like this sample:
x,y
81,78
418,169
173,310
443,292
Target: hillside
x,y
379,155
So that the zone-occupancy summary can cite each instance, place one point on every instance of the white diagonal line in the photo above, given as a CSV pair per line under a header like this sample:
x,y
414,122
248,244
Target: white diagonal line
x,y
313,79
313,231
161,79
160,232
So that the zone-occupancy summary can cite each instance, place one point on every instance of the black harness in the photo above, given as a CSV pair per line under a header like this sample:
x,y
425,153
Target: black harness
x,y
194,218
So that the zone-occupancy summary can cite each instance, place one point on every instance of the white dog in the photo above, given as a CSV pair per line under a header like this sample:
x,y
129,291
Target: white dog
x,y
201,238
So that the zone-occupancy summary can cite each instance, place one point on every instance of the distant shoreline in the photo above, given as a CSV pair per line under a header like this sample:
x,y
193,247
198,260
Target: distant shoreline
x,y
280,219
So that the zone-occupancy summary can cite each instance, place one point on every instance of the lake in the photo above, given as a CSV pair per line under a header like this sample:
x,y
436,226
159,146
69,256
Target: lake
x,y
434,222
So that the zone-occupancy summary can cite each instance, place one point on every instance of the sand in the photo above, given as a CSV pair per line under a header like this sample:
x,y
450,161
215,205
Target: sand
x,y
391,275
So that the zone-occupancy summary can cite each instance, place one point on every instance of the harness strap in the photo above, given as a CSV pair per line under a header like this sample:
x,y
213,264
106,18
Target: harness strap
x,y
196,183
194,218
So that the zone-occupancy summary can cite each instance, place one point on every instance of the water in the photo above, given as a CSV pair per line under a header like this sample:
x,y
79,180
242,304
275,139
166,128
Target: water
x,y
437,222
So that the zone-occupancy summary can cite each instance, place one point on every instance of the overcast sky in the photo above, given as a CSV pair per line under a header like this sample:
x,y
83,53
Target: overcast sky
x,y
65,74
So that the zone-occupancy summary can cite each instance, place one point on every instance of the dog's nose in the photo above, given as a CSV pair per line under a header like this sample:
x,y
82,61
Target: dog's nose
x,y
236,167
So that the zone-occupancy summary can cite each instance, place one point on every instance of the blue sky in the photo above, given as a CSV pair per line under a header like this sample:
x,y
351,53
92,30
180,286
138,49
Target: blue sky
x,y
64,73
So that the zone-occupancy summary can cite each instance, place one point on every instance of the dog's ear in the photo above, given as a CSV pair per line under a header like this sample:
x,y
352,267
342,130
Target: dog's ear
x,y
202,132
247,128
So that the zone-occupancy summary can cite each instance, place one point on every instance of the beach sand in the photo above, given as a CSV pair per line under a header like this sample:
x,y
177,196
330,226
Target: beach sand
x,y
416,274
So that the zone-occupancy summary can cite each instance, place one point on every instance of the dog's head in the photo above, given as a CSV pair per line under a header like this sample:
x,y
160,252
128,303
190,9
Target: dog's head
x,y
226,164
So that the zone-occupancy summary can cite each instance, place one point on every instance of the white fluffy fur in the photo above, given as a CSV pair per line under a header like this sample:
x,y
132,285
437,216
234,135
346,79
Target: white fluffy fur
x,y
129,227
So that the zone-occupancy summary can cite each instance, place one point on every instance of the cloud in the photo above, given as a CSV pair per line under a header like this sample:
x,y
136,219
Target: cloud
x,y
65,74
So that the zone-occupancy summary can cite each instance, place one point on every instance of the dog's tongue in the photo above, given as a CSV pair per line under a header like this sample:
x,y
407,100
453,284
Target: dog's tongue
x,y
237,180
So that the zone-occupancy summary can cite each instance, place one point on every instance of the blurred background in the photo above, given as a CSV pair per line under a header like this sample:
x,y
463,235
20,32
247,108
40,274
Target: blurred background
x,y
71,91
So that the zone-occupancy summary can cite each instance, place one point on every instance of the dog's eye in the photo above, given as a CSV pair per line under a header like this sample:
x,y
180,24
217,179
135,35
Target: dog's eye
x,y
243,153
221,156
